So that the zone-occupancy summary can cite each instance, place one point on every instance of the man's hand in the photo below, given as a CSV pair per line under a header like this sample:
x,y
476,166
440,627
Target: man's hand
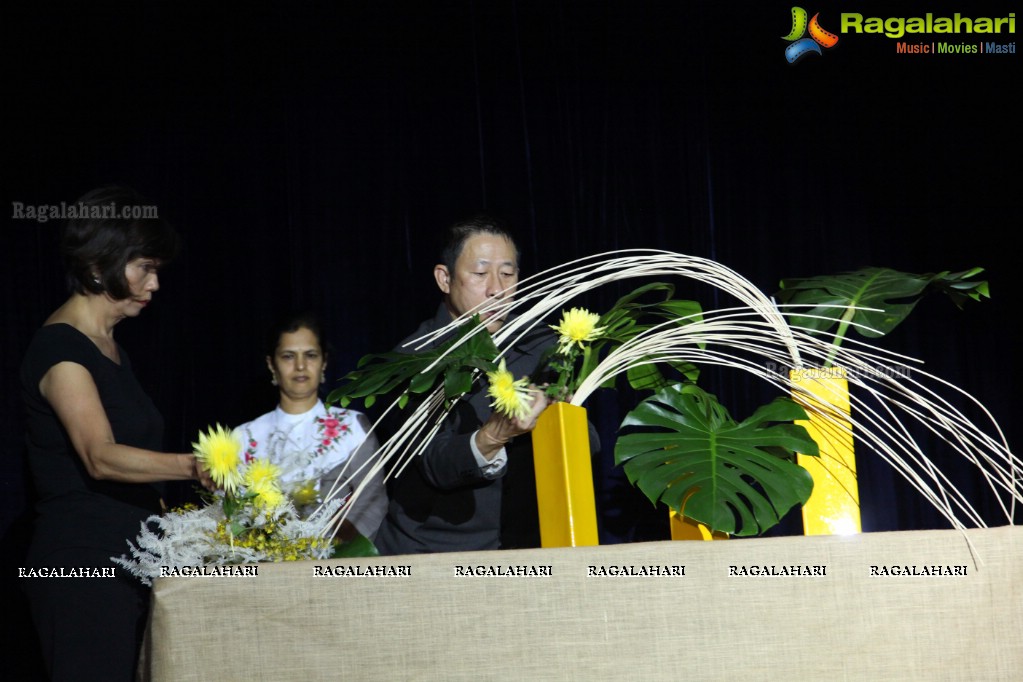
x,y
499,429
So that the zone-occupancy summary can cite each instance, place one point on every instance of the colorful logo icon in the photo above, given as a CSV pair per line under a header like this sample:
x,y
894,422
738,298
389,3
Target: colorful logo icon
x,y
801,45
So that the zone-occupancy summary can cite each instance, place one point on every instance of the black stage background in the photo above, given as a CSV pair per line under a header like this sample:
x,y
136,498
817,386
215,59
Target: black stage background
x,y
310,153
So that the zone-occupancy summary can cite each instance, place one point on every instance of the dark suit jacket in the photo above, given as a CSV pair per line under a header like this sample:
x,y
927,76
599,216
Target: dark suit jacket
x,y
442,502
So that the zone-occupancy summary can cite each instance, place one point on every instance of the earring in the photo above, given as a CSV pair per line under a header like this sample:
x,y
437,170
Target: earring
x,y
95,279
323,377
273,378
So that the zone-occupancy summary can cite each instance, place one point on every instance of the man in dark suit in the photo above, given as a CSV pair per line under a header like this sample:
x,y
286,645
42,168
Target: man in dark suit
x,y
472,488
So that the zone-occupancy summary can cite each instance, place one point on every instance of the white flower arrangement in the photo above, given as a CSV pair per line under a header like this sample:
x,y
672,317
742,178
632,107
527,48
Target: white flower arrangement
x,y
250,521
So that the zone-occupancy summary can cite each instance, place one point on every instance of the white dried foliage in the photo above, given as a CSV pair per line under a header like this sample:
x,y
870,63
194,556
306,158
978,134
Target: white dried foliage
x,y
187,538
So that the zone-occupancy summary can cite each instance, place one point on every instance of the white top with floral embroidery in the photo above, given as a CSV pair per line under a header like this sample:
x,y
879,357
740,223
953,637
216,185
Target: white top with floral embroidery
x,y
315,448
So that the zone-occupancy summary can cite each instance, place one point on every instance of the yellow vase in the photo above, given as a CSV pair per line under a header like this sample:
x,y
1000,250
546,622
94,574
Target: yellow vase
x,y
684,528
834,506
564,478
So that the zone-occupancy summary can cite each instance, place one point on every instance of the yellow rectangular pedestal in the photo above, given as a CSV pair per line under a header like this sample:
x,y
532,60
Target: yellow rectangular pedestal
x,y
564,478
834,506
683,528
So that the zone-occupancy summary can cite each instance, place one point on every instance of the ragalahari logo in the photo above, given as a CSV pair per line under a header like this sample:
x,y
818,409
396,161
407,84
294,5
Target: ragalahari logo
x,y
801,45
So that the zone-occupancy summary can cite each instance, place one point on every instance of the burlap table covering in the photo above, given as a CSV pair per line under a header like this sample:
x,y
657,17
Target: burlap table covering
x,y
719,617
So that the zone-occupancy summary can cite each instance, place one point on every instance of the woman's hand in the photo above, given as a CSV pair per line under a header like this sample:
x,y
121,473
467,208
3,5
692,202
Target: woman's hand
x,y
201,474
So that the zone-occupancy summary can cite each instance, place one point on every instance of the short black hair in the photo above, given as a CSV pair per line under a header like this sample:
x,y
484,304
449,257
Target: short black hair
x,y
458,233
113,226
292,322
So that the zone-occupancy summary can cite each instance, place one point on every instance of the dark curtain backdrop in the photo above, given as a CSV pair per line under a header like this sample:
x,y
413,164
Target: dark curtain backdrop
x,y
310,152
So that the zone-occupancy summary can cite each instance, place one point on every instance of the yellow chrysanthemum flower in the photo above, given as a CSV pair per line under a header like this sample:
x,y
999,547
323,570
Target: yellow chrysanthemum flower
x,y
220,452
263,479
261,473
577,326
269,497
511,397
305,494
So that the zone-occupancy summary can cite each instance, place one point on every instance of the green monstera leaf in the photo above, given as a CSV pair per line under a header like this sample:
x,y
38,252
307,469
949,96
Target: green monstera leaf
x,y
738,478
894,294
630,317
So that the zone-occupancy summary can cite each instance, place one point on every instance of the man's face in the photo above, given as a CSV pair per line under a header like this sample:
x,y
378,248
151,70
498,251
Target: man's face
x,y
485,269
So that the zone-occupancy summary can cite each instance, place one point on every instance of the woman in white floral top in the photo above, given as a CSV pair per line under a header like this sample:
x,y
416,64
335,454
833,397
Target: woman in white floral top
x,y
314,446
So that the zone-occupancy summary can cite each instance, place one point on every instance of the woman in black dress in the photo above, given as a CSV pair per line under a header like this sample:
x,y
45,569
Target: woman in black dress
x,y
94,442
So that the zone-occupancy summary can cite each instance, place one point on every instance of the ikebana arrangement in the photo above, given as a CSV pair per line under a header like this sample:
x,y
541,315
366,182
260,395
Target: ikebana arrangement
x,y
250,520
679,445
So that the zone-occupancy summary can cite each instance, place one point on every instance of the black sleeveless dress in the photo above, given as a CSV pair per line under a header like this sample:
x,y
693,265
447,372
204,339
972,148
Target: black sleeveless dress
x,y
89,627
